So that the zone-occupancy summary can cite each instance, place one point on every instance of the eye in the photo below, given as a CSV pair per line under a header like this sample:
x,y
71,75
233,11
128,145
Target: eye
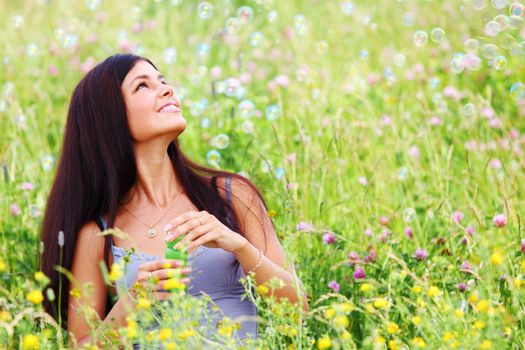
x,y
141,84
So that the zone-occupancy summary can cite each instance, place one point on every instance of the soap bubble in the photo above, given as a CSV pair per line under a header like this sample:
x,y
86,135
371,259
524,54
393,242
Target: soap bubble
x,y
266,165
499,4
32,49
492,28
170,55
468,109
502,21
408,19
202,50
437,35
93,4
232,25
18,21
256,38
245,13
273,112
402,173
205,10
347,8
399,60
471,45
363,53
246,109
272,16
247,127
213,157
221,141
516,10
135,12
499,63
205,123
517,91
300,25
489,51
279,173
409,214
420,38
231,86
47,161
479,4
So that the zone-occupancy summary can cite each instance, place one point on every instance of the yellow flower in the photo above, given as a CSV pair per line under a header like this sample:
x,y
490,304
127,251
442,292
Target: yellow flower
x,y
5,316
143,303
486,344
132,328
479,325
416,320
116,272
324,343
420,303
272,213
35,297
496,258
30,341
40,277
164,333
262,289
341,321
507,331
174,283
433,291
416,289
392,345
482,306
171,346
329,313
75,293
380,340
448,336
369,308
523,265
365,287
380,303
187,334
459,313
517,282
392,328
345,335
3,266
347,307
473,297
419,342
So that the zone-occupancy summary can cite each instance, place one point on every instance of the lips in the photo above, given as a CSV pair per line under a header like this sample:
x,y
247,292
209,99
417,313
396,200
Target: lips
x,y
169,107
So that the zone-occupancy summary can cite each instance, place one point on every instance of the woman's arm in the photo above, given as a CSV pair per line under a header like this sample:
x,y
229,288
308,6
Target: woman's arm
x,y
89,251
256,225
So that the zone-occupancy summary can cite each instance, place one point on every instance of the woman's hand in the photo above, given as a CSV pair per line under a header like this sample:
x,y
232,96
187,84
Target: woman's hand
x,y
202,228
158,272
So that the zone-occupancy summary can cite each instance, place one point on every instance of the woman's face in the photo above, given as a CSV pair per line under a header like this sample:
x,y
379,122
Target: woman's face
x,y
153,111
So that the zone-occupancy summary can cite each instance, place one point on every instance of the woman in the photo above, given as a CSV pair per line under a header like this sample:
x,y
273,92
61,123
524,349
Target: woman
x,y
121,166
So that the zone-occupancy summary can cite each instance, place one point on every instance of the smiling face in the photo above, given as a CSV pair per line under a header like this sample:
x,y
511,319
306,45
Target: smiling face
x,y
153,110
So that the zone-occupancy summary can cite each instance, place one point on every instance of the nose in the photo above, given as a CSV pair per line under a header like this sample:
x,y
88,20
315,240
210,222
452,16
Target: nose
x,y
167,90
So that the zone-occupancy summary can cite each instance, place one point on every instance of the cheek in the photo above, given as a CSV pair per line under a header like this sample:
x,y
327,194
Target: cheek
x,y
139,121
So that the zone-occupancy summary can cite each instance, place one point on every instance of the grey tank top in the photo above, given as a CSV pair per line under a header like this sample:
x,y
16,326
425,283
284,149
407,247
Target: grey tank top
x,y
215,272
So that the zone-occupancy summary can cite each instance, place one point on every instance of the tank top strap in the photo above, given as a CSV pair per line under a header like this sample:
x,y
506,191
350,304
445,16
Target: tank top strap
x,y
101,223
228,187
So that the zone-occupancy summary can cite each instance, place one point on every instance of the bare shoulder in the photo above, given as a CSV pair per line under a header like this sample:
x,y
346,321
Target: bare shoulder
x,y
90,245
243,195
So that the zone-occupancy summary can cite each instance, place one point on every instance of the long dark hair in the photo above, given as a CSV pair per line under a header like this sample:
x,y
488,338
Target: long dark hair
x,y
98,166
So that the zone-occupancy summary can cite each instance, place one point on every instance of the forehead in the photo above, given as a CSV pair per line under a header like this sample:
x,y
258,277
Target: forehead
x,y
140,68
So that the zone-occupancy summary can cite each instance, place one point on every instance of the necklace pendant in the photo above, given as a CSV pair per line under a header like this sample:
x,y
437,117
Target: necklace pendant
x,y
152,233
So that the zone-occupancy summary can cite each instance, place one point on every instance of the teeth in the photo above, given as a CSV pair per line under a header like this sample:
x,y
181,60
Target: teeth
x,y
169,108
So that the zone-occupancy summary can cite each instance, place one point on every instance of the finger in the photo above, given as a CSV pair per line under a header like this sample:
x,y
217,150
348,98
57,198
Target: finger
x,y
153,265
183,218
211,236
194,234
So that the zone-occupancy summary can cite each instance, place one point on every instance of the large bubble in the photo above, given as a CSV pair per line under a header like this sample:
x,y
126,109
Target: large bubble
x,y
246,109
517,91
420,38
437,35
205,10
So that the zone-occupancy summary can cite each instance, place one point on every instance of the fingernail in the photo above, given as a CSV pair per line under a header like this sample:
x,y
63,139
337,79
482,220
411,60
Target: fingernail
x,y
169,238
168,227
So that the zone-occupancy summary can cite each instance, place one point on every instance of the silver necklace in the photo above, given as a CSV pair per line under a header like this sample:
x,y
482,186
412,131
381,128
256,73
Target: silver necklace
x,y
151,233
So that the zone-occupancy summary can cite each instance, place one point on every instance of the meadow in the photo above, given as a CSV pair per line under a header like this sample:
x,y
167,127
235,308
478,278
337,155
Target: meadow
x,y
387,138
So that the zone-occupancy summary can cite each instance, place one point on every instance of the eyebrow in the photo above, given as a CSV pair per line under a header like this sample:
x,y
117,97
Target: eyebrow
x,y
145,76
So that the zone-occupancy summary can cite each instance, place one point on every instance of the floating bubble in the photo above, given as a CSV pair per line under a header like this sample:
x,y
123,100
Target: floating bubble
x,y
517,91
489,51
492,28
232,24
205,123
256,39
479,4
402,173
196,109
245,13
279,173
170,55
468,110
434,82
20,121
70,40
3,106
321,47
502,21
363,53
18,21
517,10
9,87
32,49
347,8
34,211
408,19
272,16
135,12
266,165
472,61
246,109
420,38
273,112
247,127
221,141
399,60
213,157
437,35
231,86
93,5
205,10
471,45
514,49
315,94
499,63
240,93
47,161
202,50
409,214
299,22
499,4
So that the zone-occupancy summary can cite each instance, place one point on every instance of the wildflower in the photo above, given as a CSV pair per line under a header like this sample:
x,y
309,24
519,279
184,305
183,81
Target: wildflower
x,y
433,291
383,221
473,297
470,230
368,232
190,333
457,216
479,325
416,289
416,320
174,283
3,265
365,287
392,345
363,180
329,313
448,336
303,226
324,343
341,321
345,335
459,313
30,341
27,186
347,306
408,232
462,287
334,286
392,328
40,277
75,293
465,265
35,297
131,328
143,303
496,258
116,272
15,209
5,316
486,344
482,306
165,333
523,246
421,254
171,346
380,340
359,273
517,282
262,289
419,342
328,238
353,257
380,303
499,220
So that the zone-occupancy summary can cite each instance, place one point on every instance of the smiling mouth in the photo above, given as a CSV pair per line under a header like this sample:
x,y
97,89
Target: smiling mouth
x,y
169,108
